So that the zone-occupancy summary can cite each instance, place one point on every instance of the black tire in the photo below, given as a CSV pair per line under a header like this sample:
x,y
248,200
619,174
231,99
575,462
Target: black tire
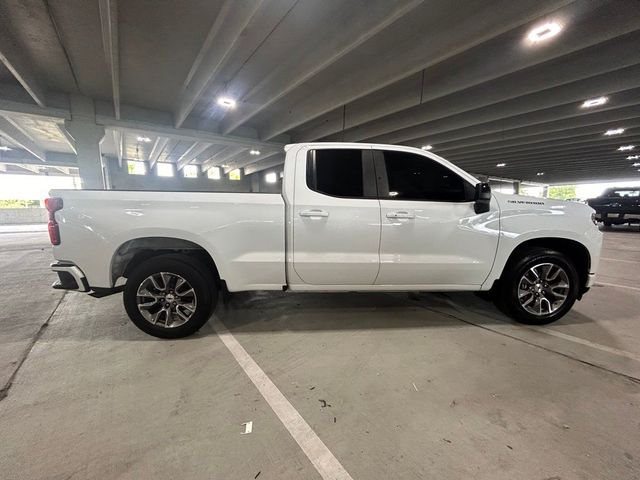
x,y
507,299
204,288
607,224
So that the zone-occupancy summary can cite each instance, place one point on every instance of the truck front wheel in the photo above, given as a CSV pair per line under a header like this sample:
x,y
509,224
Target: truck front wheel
x,y
169,297
539,288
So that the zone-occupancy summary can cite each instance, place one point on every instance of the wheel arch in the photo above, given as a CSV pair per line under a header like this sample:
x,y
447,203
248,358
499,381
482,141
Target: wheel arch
x,y
577,252
134,251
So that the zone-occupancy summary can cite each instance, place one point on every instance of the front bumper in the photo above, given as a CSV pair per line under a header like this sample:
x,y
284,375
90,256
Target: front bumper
x,y
70,277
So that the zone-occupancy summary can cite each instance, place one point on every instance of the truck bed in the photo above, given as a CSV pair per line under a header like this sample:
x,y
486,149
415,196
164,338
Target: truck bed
x,y
243,232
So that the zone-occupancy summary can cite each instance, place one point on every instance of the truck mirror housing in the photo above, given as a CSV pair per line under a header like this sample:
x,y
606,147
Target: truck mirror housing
x,y
482,198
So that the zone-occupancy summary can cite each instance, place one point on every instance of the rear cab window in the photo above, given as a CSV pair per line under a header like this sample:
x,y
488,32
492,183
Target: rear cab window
x,y
341,172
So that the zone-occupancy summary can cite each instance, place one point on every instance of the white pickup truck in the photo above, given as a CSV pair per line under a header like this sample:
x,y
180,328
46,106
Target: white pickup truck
x,y
351,217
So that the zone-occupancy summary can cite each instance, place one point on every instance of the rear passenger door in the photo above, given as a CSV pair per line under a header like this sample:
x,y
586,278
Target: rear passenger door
x,y
336,217
431,234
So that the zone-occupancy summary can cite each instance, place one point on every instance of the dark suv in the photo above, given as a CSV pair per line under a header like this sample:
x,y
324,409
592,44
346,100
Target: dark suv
x,y
617,206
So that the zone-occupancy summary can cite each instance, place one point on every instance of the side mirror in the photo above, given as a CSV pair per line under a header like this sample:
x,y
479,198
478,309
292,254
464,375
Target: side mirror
x,y
482,198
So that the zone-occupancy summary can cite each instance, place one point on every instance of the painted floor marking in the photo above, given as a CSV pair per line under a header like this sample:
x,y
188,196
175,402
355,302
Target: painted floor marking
x,y
548,331
617,286
316,451
620,260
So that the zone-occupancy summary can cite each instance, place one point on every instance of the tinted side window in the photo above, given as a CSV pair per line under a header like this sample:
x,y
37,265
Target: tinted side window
x,y
414,177
336,172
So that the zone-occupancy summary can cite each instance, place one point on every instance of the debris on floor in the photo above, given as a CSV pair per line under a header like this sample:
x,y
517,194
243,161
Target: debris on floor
x,y
248,428
323,403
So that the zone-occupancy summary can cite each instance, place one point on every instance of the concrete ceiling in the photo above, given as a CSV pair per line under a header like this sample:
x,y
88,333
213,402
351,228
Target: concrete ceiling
x,y
460,77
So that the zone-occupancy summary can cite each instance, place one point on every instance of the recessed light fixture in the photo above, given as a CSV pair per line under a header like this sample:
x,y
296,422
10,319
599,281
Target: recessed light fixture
x,y
633,157
226,102
626,148
4,148
144,139
426,147
594,102
254,152
540,174
637,164
544,32
614,131
501,165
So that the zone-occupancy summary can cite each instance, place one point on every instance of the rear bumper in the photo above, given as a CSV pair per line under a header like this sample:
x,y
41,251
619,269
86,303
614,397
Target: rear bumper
x,y
70,277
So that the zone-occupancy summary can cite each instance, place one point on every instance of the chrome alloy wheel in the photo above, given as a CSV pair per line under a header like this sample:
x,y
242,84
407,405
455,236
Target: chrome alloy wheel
x,y
543,289
166,299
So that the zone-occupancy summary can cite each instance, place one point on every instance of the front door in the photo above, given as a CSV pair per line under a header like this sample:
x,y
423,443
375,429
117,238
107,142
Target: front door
x,y
336,217
430,232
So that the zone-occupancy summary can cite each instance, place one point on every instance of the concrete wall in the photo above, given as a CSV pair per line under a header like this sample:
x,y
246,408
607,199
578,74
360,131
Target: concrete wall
x,y
15,216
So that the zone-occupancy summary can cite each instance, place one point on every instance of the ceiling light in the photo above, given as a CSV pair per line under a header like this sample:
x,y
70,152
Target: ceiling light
x,y
540,174
226,102
426,147
594,102
637,164
144,139
626,148
614,131
501,165
633,157
544,32
4,148
254,152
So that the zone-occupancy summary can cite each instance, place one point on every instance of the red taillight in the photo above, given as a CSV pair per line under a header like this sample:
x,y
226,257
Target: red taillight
x,y
53,204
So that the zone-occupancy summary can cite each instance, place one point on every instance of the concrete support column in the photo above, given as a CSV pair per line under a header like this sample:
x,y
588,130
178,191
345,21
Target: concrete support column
x,y
516,187
86,136
545,191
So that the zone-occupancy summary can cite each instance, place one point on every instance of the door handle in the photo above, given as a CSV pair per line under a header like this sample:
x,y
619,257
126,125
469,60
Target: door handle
x,y
401,214
314,212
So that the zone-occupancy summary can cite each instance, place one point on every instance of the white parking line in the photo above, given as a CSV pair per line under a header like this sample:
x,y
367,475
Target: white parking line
x,y
617,286
548,331
618,260
316,451
582,341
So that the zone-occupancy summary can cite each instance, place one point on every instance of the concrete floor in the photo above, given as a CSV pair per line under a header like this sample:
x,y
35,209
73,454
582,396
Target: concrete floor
x,y
420,386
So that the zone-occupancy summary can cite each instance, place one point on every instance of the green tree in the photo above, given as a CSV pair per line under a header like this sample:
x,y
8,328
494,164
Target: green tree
x,y
562,192
19,203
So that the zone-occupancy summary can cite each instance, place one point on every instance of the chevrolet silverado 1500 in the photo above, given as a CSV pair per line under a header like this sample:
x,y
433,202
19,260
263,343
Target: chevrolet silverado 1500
x,y
351,217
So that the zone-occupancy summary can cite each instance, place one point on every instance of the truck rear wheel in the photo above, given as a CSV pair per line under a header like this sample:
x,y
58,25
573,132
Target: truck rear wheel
x,y
169,297
539,288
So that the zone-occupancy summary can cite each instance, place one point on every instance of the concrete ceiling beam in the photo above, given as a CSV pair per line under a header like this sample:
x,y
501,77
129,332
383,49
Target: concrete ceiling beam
x,y
259,166
341,36
464,139
109,26
591,142
140,127
219,44
12,56
12,132
157,149
623,88
191,153
399,53
217,158
243,159
481,77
